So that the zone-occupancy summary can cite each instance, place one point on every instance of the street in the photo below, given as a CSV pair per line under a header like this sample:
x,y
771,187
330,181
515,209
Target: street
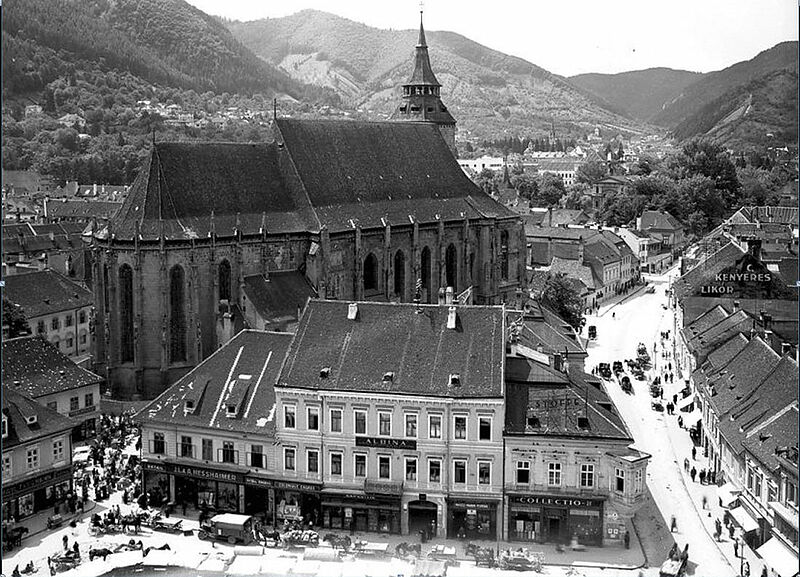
x,y
620,328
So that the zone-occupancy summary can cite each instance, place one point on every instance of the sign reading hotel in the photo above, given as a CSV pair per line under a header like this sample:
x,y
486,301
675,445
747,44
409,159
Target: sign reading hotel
x,y
386,443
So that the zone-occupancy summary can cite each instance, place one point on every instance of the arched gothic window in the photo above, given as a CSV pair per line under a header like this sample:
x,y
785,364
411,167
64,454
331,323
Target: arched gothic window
x,y
426,272
370,273
400,274
504,255
126,313
224,281
177,315
451,267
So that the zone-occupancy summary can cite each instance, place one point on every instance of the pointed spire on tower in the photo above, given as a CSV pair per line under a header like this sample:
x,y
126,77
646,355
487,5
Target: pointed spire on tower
x,y
421,41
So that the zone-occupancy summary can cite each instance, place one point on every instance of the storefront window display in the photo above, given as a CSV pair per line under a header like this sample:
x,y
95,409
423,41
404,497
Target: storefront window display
x,y
227,496
553,519
26,505
472,520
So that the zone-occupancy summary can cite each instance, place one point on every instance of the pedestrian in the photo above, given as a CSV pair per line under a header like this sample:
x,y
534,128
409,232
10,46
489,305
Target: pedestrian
x,y
680,424
613,315
718,525
736,548
65,541
694,453
693,473
76,549
686,465
669,365
702,478
726,518
713,477
674,397
670,377
627,540
731,530
705,499
673,525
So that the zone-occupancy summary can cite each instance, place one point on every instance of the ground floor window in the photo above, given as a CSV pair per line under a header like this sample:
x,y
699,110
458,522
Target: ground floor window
x,y
472,521
26,505
357,517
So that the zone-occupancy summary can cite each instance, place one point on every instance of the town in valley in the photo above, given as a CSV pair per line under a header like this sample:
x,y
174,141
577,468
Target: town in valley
x,y
301,296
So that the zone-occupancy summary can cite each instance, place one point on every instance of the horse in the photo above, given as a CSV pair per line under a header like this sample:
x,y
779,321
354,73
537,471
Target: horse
x,y
338,542
164,547
99,553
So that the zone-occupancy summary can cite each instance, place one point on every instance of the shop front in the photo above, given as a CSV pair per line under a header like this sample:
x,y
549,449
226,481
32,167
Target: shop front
x,y
87,429
361,512
282,502
30,496
217,489
555,519
471,519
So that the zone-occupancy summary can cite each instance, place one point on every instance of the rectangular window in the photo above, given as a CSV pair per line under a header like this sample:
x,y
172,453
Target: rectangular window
x,y
69,342
554,474
385,424
228,454
159,444
459,427
187,450
336,464
434,471
336,420
312,416
619,476
82,317
757,487
40,330
484,473
384,467
289,414
288,459
411,425
54,324
313,461
791,493
459,472
359,465
82,339
523,472
68,320
360,422
74,403
8,470
53,405
411,469
257,457
58,450
587,475
88,400
32,456
638,481
208,449
750,478
435,426
485,428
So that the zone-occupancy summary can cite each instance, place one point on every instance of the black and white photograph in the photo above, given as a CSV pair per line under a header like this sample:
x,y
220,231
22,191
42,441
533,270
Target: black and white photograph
x,y
353,288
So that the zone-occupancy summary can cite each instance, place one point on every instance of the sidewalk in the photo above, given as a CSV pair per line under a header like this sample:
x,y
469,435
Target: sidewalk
x,y
619,299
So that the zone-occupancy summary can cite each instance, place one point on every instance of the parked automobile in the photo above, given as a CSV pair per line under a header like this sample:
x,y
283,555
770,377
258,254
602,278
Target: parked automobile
x,y
604,370
228,527
80,457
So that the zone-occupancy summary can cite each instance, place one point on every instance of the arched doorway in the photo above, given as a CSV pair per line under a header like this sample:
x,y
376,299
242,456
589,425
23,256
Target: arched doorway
x,y
370,273
421,514
425,265
451,267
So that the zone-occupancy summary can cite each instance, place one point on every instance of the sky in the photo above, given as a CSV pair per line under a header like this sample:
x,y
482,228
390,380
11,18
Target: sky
x,y
571,37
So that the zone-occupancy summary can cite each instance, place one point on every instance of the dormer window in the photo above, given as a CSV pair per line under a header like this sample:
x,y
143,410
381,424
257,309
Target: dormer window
x,y
31,420
324,372
388,377
455,380
532,422
230,411
188,406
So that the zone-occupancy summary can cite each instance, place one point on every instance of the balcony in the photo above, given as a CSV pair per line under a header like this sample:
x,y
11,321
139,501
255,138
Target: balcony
x,y
383,486
228,456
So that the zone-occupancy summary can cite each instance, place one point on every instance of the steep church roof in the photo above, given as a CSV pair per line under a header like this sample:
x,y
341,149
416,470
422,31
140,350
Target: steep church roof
x,y
334,173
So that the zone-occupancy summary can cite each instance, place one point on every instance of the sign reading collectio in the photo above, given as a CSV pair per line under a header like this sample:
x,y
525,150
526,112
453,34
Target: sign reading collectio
x,y
386,443
558,501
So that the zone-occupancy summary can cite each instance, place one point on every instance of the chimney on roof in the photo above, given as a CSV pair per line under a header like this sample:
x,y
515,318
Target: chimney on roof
x,y
766,319
786,349
557,362
754,247
451,317
441,296
324,372
388,377
352,311
455,380
448,300
736,306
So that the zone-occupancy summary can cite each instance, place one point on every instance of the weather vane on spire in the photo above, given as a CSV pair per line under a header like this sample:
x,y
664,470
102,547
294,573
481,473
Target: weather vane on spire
x,y
421,5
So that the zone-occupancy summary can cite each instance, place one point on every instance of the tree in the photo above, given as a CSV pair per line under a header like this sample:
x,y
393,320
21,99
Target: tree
x,y
644,166
578,197
700,157
560,296
525,185
14,319
551,189
590,172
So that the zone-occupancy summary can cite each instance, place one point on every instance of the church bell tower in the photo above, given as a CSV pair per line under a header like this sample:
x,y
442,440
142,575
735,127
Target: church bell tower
x,y
421,100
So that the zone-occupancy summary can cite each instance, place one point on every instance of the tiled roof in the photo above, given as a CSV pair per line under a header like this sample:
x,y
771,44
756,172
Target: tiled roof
x,y
18,408
788,269
779,432
707,268
317,173
574,270
411,342
559,216
38,368
705,321
708,340
780,310
535,218
559,232
244,371
46,292
283,295
781,214
82,208
546,330
538,390
659,220
721,356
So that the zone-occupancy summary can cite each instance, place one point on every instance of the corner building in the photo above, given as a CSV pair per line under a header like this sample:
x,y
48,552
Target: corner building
x,y
362,209
398,411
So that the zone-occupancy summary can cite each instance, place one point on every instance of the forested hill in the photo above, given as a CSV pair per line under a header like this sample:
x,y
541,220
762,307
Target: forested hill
x,y
165,42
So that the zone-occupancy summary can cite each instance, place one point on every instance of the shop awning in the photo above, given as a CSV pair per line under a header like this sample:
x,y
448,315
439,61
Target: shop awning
x,y
744,519
779,558
686,405
728,493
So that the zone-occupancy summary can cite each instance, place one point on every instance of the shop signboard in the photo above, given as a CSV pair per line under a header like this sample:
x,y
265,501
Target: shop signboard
x,y
386,443
557,501
274,484
471,505
31,485
196,472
